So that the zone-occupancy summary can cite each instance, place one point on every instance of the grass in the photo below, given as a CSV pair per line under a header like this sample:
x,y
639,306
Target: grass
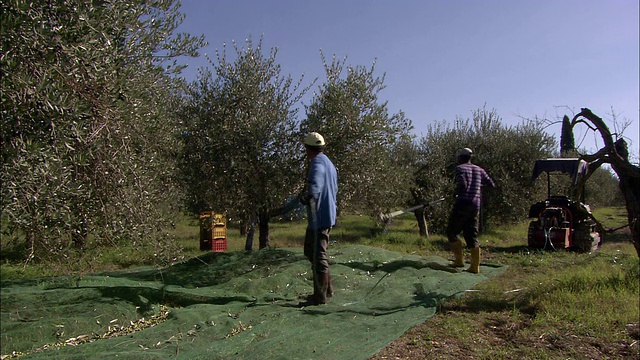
x,y
547,305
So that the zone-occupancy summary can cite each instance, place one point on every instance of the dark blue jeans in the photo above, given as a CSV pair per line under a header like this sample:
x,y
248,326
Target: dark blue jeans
x,y
464,218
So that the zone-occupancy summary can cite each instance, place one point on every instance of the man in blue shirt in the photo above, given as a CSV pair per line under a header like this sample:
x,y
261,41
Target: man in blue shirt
x,y
469,180
320,198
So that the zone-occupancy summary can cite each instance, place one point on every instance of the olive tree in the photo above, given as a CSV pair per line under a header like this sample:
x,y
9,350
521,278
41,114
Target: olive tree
x,y
362,138
507,153
242,152
87,97
603,189
616,154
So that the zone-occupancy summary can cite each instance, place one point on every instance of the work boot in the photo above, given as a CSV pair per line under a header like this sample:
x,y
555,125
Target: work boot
x,y
475,261
320,283
457,248
321,293
329,285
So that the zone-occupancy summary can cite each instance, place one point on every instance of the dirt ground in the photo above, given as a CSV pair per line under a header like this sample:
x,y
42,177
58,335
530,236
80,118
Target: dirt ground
x,y
496,335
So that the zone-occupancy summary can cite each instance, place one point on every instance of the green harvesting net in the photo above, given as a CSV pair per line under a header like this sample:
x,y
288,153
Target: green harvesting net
x,y
230,305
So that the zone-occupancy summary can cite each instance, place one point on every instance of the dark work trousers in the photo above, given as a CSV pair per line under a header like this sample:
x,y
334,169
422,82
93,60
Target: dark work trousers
x,y
464,218
320,264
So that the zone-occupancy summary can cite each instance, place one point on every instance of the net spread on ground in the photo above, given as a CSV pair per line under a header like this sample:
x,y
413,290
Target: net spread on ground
x,y
230,305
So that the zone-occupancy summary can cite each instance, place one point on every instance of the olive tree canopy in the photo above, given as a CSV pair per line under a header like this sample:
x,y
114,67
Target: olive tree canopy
x,y
242,153
364,141
87,103
507,153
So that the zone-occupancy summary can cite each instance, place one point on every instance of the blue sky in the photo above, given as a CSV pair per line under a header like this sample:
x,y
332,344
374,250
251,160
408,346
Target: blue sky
x,y
443,59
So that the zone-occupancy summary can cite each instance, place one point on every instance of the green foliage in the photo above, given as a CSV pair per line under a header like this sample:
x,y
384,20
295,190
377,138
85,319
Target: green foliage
x,y
242,153
560,302
86,120
602,189
370,148
612,217
592,291
506,153
567,141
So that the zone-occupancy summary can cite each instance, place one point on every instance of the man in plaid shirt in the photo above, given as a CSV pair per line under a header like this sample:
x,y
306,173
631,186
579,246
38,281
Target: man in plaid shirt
x,y
465,216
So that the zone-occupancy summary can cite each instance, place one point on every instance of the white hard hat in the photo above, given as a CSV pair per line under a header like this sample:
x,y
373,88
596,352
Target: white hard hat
x,y
313,139
465,152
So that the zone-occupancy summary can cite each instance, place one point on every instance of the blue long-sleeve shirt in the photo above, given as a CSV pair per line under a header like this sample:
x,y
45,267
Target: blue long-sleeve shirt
x,y
323,187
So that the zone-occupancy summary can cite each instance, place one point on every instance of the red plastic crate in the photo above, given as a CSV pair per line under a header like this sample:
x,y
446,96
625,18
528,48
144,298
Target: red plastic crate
x,y
213,232
219,245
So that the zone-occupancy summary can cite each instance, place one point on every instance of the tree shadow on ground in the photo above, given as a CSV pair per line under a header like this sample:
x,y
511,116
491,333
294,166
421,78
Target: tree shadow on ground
x,y
145,297
478,305
431,299
215,268
393,266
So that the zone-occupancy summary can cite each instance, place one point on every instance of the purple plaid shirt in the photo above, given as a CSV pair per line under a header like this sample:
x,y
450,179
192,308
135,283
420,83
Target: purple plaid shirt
x,y
470,179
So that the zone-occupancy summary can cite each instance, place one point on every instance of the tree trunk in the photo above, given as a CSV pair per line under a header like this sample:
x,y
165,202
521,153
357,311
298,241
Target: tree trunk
x,y
249,229
263,225
422,222
631,190
617,155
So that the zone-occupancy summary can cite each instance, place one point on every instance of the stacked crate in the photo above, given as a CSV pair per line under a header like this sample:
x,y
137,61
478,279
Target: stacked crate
x,y
213,231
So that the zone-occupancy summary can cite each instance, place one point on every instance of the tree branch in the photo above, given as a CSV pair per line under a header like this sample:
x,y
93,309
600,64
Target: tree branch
x,y
609,152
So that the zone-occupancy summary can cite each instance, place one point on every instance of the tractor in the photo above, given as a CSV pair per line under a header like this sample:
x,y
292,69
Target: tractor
x,y
563,221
